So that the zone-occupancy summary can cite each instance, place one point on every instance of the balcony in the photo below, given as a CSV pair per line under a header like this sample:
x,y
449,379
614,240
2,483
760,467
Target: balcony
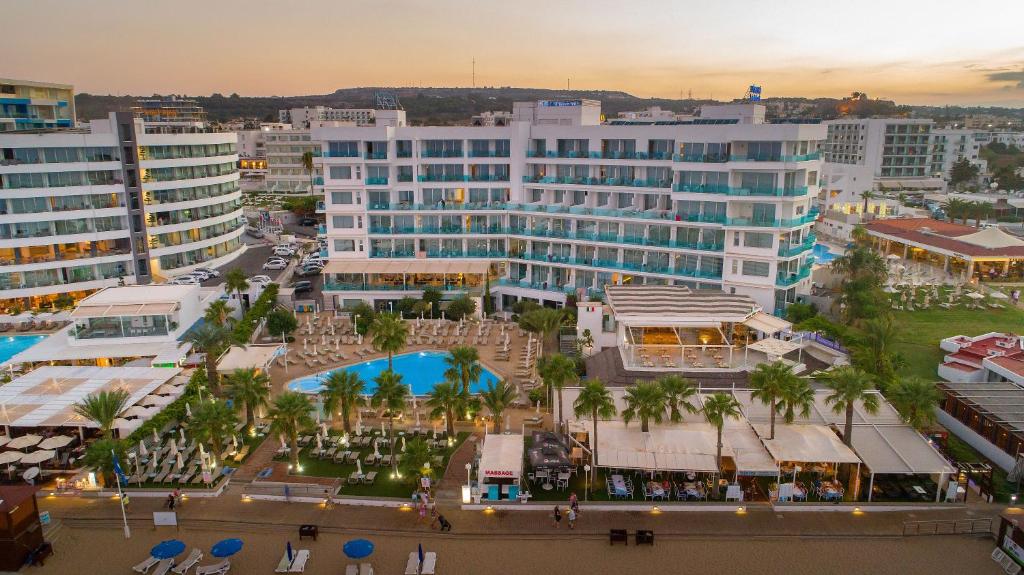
x,y
588,181
318,181
377,253
403,153
732,191
443,178
543,286
777,223
445,254
701,158
489,178
774,157
488,154
376,181
441,154
341,154
376,155
787,279
790,250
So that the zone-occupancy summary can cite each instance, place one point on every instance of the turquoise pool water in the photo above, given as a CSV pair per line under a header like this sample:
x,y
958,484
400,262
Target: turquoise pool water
x,y
823,254
12,345
420,369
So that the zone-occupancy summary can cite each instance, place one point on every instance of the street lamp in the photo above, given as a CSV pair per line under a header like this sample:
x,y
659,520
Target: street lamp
x,y
467,489
586,489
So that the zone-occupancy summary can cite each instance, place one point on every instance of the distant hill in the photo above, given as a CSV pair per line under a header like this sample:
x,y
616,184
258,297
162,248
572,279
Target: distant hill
x,y
441,106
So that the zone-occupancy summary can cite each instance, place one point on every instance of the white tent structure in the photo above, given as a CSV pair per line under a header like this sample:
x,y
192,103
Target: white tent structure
x,y
676,447
249,357
501,459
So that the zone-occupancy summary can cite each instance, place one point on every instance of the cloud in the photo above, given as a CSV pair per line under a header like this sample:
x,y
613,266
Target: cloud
x,y
1012,77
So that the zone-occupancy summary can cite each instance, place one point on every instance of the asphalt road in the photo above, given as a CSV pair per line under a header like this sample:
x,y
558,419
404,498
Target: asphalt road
x,y
251,262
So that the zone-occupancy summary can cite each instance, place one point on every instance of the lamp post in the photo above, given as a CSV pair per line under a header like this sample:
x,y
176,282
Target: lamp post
x,y
586,488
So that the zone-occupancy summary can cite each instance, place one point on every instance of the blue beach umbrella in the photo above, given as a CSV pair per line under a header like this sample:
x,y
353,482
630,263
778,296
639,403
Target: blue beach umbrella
x,y
358,548
420,551
288,549
167,549
226,547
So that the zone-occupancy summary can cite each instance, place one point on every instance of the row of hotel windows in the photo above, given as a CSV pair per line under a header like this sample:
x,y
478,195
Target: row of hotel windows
x,y
188,172
186,151
60,179
190,193
58,155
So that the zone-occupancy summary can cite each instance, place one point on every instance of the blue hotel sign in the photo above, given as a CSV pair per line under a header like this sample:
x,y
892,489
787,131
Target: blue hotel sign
x,y
560,103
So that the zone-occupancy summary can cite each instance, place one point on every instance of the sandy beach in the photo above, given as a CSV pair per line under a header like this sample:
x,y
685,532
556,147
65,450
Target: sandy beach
x,y
106,551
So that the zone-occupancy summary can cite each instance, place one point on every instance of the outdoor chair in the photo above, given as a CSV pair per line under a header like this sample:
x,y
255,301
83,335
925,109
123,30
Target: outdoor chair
x,y
645,537
163,567
146,564
370,478
189,562
616,535
365,569
218,568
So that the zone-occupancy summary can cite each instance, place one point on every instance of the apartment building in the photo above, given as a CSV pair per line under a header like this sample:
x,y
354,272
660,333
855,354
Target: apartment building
x,y
252,155
286,173
171,114
557,204
112,202
305,118
950,145
28,105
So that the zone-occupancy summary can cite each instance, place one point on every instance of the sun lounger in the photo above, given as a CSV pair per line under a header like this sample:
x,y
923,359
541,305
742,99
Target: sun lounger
x,y
365,569
351,570
412,567
163,567
299,563
370,478
284,564
189,562
146,564
216,569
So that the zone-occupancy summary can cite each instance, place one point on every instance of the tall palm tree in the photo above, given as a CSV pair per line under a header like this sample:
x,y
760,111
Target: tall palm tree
x,y
235,282
307,166
497,397
211,340
644,401
99,456
102,408
289,415
797,397
212,422
915,399
250,388
594,401
415,459
956,208
345,389
219,312
850,385
876,349
446,400
545,322
388,333
717,409
557,371
391,394
768,382
463,366
678,391
866,195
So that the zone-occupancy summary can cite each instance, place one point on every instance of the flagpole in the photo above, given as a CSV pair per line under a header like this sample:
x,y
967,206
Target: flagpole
x,y
120,497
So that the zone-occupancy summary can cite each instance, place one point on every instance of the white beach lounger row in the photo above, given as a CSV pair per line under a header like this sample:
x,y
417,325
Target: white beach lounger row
x,y
296,565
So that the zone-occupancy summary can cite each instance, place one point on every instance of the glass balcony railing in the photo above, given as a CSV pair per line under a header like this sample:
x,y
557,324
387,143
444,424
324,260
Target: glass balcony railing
x,y
376,181
785,279
732,191
488,154
318,181
370,286
404,177
701,158
774,157
654,268
777,223
441,153
788,250
378,253
443,178
588,181
341,154
376,155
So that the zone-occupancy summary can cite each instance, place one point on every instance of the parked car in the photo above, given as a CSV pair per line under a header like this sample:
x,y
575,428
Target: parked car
x,y
285,251
261,279
308,221
254,231
184,280
209,271
275,265
199,275
303,286
309,271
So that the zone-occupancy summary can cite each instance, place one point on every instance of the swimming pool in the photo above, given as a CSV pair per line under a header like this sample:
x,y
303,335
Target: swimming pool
x,y
823,254
420,369
12,345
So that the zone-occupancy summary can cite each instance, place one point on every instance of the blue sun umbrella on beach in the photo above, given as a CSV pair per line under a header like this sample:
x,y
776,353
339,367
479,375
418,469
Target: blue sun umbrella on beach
x,y
167,549
226,547
358,548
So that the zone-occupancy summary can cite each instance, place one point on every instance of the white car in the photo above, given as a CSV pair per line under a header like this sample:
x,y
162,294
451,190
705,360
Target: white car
x,y
284,251
199,275
275,265
184,280
260,280
209,271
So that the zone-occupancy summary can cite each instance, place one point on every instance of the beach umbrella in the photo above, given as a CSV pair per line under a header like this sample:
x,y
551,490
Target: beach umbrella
x,y
56,442
24,441
359,467
357,548
156,438
288,550
323,430
174,444
319,443
314,349
167,549
999,295
181,432
403,444
226,547
433,425
234,442
179,462
376,449
142,448
188,413
10,456
344,438
202,452
382,430
359,425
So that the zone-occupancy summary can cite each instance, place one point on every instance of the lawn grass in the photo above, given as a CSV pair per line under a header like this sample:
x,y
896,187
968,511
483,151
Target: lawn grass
x,y
385,485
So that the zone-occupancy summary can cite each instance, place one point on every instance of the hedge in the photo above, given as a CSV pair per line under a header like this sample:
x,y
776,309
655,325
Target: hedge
x,y
175,411
247,325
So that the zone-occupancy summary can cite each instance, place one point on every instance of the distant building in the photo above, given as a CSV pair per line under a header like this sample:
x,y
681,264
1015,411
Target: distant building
x,y
950,145
28,105
501,118
285,172
991,357
304,118
252,155
654,114
171,114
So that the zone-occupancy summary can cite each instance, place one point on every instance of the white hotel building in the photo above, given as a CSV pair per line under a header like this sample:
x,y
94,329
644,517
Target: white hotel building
x,y
88,208
557,203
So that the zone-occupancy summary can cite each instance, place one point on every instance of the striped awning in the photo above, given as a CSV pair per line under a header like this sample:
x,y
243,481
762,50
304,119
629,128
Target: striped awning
x,y
117,310
665,305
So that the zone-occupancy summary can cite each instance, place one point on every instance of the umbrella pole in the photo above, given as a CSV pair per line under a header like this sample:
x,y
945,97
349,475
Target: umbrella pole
x,y
120,498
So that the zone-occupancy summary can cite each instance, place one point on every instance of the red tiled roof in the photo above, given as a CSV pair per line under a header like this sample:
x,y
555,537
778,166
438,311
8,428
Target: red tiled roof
x,y
938,234
965,356
960,367
1013,364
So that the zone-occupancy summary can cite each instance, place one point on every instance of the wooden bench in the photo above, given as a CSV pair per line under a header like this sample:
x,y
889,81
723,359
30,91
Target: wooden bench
x,y
645,537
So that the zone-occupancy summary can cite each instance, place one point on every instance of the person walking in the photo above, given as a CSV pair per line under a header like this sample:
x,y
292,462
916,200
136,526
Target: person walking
x,y
557,516
571,516
574,502
177,497
433,514
170,501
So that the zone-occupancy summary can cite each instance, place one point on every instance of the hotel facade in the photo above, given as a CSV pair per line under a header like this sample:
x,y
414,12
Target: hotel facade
x,y
91,208
559,204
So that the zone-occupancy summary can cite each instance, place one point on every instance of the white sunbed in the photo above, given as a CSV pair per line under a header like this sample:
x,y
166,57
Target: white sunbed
x,y
413,567
351,569
365,569
216,569
283,564
146,564
189,562
299,564
163,567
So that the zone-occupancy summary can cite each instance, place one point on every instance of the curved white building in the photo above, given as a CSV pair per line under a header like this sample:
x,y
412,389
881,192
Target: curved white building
x,y
85,209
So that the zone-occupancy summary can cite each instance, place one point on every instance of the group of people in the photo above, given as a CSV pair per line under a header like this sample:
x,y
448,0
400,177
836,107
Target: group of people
x,y
173,499
426,505
571,513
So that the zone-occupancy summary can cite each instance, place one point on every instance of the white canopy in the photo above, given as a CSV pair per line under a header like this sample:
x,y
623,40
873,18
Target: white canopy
x,y
749,454
806,443
502,456
10,456
38,456
774,347
24,441
897,449
56,442
249,357
767,323
991,238
678,447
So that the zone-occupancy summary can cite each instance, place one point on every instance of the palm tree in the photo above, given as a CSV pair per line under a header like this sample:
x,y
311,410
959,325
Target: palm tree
x,y
498,396
289,415
415,459
446,400
251,388
307,166
213,422
557,370
99,456
875,351
390,394
955,208
102,408
219,312
211,340
594,401
463,366
849,385
866,195
345,389
545,322
768,382
915,399
717,409
388,333
236,283
678,390
645,401
796,397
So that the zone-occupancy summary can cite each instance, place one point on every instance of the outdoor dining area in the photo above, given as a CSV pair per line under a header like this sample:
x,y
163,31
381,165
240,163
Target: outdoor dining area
x,y
32,457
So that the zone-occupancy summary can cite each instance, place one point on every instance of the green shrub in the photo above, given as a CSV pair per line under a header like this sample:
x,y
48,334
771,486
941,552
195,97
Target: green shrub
x,y
245,327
